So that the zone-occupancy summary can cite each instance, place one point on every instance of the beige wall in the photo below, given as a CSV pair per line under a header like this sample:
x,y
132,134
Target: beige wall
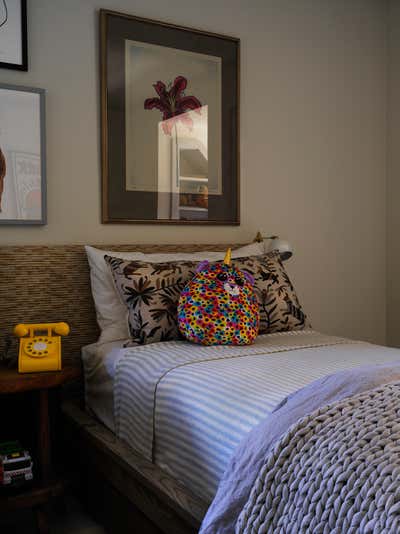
x,y
393,182
312,139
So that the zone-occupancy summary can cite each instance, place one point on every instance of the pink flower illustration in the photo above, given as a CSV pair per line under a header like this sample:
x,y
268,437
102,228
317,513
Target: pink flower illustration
x,y
173,103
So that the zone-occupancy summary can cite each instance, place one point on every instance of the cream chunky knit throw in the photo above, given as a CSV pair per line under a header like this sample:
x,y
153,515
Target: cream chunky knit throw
x,y
335,471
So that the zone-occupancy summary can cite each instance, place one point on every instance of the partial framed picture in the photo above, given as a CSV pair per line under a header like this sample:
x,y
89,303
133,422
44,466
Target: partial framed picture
x,y
13,35
22,155
170,123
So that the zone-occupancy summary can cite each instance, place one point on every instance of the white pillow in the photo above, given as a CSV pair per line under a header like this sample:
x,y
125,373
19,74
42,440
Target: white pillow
x,y
110,311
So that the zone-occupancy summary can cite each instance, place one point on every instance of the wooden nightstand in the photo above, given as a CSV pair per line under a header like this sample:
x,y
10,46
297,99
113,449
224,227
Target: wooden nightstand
x,y
45,485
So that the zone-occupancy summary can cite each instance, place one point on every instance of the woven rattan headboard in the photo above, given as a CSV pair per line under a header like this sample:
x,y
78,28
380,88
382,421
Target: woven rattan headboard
x,y
51,283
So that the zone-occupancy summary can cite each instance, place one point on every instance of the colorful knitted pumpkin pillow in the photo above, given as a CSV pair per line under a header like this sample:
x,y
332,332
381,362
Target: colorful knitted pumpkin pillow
x,y
218,306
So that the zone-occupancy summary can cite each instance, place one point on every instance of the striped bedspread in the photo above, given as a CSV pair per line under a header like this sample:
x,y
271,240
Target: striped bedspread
x,y
187,407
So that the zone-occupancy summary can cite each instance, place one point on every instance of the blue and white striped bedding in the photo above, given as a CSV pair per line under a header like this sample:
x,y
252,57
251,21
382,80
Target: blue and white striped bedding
x,y
187,407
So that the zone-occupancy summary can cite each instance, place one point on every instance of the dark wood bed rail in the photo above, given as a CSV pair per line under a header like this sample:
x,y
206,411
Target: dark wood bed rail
x,y
166,502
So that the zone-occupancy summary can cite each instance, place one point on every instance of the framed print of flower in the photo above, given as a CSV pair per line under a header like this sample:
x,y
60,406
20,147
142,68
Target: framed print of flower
x,y
170,123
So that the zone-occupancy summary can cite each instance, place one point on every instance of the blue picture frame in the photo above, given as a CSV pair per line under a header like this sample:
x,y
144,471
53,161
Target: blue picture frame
x,y
22,170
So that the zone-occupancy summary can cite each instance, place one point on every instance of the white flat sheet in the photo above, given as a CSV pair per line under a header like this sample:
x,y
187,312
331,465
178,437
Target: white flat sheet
x,y
99,362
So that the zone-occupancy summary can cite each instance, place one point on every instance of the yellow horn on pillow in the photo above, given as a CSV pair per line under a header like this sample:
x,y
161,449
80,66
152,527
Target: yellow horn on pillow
x,y
227,259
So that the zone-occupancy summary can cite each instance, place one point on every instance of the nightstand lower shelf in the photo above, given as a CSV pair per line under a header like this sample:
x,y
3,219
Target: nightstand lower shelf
x,y
30,497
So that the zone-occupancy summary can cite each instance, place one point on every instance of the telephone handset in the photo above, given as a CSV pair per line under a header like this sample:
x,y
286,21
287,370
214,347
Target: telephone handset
x,y
39,349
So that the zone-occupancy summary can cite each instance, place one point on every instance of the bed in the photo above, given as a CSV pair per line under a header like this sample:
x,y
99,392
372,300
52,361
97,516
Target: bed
x,y
188,411
137,461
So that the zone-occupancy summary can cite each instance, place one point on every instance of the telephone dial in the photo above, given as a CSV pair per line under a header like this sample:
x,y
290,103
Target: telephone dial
x,y
39,348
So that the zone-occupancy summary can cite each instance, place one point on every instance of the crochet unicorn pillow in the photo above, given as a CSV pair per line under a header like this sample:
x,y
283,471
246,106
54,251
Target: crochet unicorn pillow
x,y
219,306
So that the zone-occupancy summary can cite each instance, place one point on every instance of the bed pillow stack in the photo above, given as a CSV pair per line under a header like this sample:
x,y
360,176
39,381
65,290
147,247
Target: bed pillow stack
x,y
111,310
151,293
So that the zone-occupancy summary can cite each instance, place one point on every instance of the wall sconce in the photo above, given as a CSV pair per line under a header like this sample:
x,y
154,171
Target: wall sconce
x,y
276,243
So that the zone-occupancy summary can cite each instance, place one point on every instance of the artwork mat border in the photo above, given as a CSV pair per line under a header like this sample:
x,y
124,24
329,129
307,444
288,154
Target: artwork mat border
x,y
129,43
43,182
105,217
24,42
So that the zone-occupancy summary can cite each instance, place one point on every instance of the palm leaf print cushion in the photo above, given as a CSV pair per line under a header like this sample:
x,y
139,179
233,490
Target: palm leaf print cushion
x,y
280,309
151,292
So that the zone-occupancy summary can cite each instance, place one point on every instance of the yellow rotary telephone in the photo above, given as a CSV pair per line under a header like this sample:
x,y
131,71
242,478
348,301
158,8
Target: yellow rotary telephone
x,y
40,352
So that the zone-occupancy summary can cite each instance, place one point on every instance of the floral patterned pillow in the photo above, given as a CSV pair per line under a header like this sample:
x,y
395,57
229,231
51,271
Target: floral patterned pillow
x,y
280,309
151,292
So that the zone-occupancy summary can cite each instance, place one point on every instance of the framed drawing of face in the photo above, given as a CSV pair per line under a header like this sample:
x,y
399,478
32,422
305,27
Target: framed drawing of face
x,y
170,123
13,35
22,155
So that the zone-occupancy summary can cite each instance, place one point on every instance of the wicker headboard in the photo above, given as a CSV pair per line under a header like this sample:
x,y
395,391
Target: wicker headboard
x,y
51,283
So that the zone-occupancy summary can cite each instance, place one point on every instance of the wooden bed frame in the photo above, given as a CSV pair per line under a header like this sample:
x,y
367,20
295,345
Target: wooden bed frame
x,y
126,492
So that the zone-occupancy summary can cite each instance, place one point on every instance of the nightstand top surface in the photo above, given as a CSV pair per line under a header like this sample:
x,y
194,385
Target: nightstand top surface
x,y
11,381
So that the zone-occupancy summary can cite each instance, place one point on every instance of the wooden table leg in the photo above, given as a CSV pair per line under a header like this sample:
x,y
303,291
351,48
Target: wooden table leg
x,y
44,445
44,455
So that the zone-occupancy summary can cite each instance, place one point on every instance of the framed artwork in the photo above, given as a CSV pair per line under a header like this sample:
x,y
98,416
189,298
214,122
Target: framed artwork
x,y
22,155
170,123
13,35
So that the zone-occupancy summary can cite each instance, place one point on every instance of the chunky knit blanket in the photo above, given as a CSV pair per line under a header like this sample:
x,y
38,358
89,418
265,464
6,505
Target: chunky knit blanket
x,y
327,460
335,471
